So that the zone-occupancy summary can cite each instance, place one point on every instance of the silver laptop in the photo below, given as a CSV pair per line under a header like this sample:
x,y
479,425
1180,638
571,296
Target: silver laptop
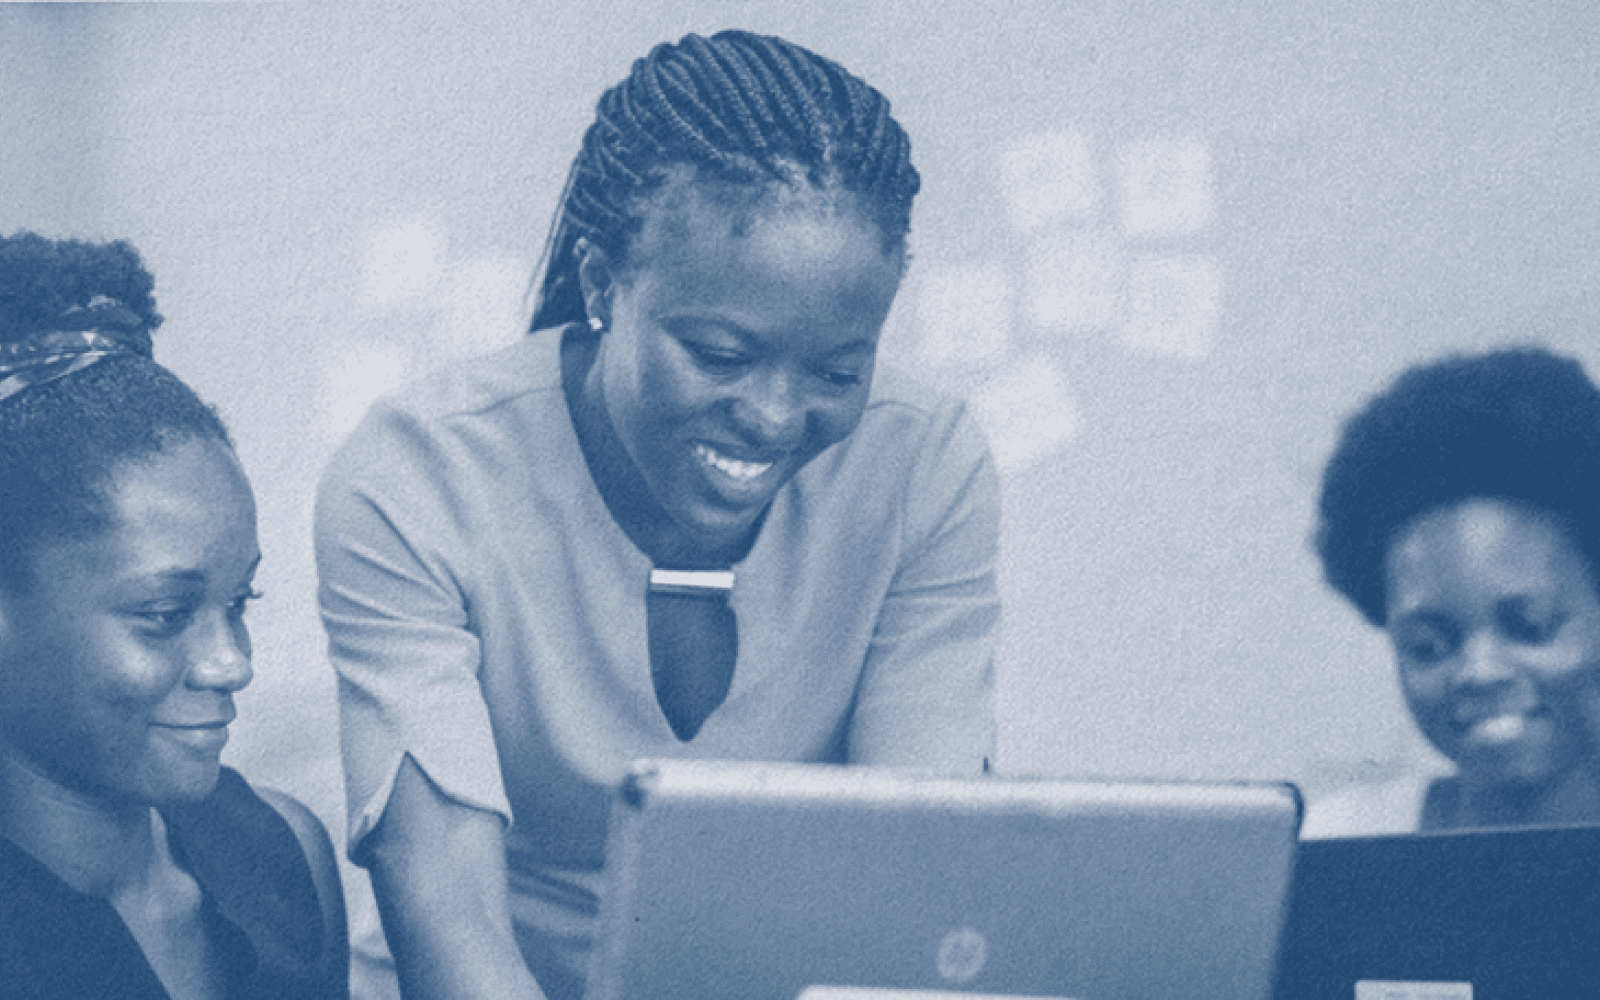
x,y
765,881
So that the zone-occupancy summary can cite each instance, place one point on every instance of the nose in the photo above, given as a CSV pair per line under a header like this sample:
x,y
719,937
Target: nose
x,y
221,654
771,411
1485,663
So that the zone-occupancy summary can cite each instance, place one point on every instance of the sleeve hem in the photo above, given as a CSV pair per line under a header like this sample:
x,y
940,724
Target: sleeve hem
x,y
365,818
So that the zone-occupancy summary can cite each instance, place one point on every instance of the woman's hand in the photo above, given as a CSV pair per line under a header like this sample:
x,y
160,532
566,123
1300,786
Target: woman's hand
x,y
439,873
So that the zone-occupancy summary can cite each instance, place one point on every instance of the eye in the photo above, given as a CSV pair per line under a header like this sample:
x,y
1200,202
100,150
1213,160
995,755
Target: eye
x,y
842,378
239,605
1426,643
1521,623
164,623
715,358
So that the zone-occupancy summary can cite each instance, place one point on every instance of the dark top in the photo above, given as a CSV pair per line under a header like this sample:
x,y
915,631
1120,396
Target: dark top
x,y
259,906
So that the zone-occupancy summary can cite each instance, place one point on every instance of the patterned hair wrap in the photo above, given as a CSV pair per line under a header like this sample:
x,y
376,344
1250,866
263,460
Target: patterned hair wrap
x,y
83,335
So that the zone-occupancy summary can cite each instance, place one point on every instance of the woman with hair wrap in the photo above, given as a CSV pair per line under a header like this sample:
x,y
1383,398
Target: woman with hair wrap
x,y
132,865
1459,514
684,517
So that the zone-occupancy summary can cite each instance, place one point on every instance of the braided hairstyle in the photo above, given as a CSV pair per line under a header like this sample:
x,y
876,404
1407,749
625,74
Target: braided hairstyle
x,y
740,108
61,441
1520,425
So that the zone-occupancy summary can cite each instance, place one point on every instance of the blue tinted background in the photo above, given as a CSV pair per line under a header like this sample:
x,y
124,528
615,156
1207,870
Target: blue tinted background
x,y
1164,247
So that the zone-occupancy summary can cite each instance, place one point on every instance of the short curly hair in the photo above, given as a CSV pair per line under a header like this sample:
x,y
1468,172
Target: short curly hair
x,y
61,441
41,278
1521,425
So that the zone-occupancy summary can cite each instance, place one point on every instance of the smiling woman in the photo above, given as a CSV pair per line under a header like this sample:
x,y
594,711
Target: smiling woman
x,y
131,863
685,517
1458,514
143,624
741,351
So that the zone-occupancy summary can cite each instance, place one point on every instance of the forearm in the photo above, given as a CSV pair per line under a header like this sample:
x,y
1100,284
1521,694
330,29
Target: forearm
x,y
438,871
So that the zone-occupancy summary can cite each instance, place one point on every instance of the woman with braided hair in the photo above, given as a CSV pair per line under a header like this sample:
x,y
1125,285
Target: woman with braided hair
x,y
684,517
132,865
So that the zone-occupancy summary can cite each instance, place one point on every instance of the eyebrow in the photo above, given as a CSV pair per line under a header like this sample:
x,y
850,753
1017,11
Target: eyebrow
x,y
1419,613
194,575
672,320
862,344
182,576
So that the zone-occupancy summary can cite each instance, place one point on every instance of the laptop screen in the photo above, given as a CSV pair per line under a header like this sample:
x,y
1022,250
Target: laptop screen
x,y
1512,914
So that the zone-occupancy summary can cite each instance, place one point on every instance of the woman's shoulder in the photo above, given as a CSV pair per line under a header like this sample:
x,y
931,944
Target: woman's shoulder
x,y
269,865
490,399
1387,808
479,384
897,388
236,822
908,416
307,828
318,849
917,455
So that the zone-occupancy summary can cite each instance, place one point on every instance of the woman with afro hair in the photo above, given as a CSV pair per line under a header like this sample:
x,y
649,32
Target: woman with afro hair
x,y
132,864
1459,514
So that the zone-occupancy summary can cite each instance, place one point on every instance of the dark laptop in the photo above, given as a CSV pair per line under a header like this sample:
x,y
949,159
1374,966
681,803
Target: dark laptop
x,y
1490,914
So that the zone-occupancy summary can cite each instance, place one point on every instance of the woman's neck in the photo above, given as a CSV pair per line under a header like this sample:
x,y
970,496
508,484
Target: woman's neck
x,y
96,847
1573,797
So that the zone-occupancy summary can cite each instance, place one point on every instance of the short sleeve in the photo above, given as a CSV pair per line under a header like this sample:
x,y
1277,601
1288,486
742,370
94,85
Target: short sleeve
x,y
388,538
926,695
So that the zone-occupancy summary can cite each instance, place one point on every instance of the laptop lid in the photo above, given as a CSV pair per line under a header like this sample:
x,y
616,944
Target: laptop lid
x,y
1487,914
759,881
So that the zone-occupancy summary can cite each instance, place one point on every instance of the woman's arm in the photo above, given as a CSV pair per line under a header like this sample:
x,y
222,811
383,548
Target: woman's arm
x,y
318,850
422,768
439,872
926,695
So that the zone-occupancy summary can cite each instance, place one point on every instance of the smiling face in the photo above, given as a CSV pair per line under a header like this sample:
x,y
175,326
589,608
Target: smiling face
x,y
1495,622
740,342
118,666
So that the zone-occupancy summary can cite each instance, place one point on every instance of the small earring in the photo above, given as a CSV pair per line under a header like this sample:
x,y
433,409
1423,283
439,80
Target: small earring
x,y
596,324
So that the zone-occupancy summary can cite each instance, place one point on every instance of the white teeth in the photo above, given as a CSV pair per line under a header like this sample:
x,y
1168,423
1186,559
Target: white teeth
x,y
731,466
1498,729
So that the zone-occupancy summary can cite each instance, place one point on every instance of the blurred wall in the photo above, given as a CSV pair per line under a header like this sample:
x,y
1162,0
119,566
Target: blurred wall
x,y
1165,248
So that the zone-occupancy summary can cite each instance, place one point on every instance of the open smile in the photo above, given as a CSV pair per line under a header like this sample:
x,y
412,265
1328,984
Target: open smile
x,y
1499,727
739,471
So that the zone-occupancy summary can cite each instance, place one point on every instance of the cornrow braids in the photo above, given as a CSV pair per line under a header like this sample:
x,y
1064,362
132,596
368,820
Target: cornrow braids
x,y
740,108
61,441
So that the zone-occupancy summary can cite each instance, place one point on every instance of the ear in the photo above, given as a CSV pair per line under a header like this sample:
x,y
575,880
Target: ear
x,y
595,280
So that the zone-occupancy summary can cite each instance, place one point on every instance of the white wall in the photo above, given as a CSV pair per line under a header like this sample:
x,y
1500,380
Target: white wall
x,y
1166,247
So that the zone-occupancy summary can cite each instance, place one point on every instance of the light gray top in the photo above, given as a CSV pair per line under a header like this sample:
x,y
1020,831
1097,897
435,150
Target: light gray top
x,y
487,616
